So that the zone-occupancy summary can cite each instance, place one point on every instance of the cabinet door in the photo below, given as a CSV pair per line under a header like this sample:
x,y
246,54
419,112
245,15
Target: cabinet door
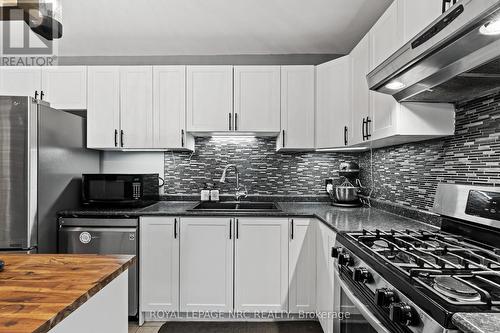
x,y
325,267
169,108
136,109
297,108
261,264
209,98
103,112
20,81
417,15
360,62
65,87
333,102
159,264
302,266
386,37
257,98
206,262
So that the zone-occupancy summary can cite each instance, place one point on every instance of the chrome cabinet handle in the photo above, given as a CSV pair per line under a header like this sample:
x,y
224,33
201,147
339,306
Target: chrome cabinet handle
x,y
235,121
121,138
346,132
283,138
36,94
230,125
182,138
230,228
41,95
291,233
116,138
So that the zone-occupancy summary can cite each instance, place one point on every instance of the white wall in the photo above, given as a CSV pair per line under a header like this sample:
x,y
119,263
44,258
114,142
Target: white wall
x,y
132,162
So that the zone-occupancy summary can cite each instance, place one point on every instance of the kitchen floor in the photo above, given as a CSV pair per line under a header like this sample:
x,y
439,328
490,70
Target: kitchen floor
x,y
151,327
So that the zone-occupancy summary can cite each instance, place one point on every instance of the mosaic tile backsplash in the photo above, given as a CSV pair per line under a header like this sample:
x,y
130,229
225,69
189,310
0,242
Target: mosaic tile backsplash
x,y
263,170
408,174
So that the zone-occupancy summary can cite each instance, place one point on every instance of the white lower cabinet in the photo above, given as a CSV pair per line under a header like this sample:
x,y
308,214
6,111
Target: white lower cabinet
x,y
159,264
302,266
206,264
261,264
325,287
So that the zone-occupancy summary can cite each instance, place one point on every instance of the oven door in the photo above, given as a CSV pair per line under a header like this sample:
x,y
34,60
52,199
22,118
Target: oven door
x,y
360,318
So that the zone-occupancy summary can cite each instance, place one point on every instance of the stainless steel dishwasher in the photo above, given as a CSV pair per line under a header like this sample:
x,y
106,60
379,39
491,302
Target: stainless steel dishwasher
x,y
103,236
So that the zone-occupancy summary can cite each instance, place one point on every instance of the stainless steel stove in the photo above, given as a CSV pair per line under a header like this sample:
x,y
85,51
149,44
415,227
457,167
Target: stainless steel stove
x,y
415,280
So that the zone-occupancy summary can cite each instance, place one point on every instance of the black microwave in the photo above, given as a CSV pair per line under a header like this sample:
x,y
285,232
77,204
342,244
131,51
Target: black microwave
x,y
119,189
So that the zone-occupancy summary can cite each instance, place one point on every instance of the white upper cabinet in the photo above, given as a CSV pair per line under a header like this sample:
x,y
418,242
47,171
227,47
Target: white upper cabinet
x,y
391,122
302,265
169,108
386,35
417,15
136,109
20,81
297,108
206,264
65,87
261,264
257,99
360,101
333,103
120,107
103,113
159,264
210,98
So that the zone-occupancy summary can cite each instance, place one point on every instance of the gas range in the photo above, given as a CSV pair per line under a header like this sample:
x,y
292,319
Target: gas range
x,y
415,280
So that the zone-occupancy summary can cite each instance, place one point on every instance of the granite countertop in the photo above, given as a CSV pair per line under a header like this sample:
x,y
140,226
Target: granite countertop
x,y
339,219
37,291
477,322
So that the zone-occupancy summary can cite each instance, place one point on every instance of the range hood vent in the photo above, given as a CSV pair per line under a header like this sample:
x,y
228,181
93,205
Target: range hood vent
x,y
453,60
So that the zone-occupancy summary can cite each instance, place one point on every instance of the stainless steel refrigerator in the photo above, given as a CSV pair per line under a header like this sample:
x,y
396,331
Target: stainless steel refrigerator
x,y
42,157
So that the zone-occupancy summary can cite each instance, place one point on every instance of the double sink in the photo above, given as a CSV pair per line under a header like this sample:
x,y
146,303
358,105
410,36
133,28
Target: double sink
x,y
243,206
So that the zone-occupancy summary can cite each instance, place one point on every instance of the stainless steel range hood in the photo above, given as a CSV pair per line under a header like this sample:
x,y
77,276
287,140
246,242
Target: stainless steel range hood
x,y
455,59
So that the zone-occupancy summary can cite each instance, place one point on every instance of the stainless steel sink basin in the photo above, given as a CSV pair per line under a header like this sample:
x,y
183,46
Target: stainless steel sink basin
x,y
247,206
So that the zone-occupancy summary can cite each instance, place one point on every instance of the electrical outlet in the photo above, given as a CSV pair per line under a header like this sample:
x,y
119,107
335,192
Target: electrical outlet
x,y
329,185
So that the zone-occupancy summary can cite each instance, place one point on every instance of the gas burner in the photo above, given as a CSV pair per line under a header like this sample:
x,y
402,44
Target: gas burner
x,y
381,244
455,289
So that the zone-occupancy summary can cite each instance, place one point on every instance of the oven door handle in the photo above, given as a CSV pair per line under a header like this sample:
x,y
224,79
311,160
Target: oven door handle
x,y
363,309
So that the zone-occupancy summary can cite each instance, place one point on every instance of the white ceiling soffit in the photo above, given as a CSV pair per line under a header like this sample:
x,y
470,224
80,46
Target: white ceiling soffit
x,y
211,27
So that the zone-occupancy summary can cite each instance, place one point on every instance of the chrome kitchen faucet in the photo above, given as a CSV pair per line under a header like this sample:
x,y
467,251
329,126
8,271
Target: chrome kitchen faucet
x,y
241,191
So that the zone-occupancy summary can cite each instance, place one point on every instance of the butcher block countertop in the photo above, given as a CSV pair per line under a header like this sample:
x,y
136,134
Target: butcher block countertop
x,y
38,291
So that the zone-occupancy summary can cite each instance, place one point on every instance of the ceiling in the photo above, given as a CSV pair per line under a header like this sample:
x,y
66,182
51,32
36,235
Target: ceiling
x,y
215,27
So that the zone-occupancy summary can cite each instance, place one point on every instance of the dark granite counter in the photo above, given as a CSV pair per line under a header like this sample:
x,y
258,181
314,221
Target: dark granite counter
x,y
339,219
477,322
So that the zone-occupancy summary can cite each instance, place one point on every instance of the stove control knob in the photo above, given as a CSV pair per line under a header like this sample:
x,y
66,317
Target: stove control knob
x,y
385,297
403,314
344,259
361,274
336,251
